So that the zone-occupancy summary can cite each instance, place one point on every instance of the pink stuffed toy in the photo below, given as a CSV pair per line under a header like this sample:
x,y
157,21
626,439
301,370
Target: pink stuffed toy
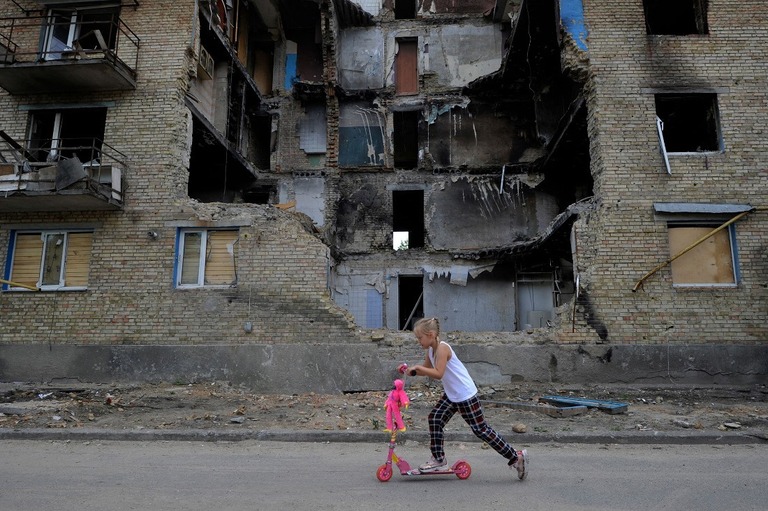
x,y
397,399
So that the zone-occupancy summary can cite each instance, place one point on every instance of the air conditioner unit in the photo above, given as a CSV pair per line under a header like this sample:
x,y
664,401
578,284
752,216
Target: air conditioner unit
x,y
205,64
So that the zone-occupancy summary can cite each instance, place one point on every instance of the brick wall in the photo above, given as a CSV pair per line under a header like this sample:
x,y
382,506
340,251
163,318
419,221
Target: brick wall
x,y
282,270
622,240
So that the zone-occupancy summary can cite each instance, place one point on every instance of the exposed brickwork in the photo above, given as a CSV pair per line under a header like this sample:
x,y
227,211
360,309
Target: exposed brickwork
x,y
622,241
282,270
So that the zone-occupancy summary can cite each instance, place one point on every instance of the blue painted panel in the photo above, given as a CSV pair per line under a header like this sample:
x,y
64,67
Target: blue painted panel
x,y
373,309
572,16
360,145
290,70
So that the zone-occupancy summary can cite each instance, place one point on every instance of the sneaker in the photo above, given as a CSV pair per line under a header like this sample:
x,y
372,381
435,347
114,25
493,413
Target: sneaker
x,y
432,465
519,463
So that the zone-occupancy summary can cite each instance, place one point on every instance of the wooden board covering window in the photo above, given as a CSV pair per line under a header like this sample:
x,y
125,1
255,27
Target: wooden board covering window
x,y
78,259
710,262
406,67
27,254
220,258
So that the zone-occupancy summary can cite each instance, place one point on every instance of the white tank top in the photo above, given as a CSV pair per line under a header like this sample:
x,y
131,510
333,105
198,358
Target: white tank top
x,y
457,382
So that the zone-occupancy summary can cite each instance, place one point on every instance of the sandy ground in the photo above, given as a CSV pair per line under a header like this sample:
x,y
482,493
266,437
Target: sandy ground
x,y
517,407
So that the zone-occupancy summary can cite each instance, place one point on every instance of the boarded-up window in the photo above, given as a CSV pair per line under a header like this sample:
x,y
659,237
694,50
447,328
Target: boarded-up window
x,y
709,263
207,258
406,67
312,130
52,260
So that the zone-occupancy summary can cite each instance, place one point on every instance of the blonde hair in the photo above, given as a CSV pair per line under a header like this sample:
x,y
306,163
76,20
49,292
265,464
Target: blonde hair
x,y
427,325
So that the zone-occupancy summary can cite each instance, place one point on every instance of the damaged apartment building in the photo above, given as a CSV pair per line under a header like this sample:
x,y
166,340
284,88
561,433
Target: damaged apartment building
x,y
225,174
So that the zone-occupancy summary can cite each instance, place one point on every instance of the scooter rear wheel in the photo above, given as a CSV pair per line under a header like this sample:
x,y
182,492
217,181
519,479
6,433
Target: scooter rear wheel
x,y
384,473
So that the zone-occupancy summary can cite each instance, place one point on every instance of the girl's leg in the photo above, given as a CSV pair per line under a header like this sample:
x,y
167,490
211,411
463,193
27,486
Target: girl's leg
x,y
438,418
472,413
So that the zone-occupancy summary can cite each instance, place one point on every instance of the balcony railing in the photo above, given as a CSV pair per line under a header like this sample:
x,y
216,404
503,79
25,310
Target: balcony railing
x,y
55,53
65,175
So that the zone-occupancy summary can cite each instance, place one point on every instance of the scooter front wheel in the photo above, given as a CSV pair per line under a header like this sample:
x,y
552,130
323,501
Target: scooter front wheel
x,y
462,470
384,473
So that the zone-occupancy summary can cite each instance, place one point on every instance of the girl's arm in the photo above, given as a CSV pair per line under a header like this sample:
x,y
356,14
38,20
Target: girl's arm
x,y
441,361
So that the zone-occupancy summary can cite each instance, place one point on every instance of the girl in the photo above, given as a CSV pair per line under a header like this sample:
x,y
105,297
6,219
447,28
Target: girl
x,y
460,394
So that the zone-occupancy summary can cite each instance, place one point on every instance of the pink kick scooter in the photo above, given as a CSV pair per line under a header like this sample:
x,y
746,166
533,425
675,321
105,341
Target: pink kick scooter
x,y
461,468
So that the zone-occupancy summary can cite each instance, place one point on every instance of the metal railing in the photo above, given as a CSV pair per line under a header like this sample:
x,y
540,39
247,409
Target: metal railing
x,y
92,161
49,38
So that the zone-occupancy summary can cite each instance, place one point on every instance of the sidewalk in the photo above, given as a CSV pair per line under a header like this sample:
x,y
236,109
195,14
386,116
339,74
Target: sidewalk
x,y
216,411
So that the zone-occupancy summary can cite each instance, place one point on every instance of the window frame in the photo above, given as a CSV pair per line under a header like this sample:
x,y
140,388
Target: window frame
x,y
729,232
50,132
78,27
715,217
662,120
67,259
202,263
697,9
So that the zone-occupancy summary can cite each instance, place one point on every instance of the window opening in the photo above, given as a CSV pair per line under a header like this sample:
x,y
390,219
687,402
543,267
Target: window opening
x,y
51,260
56,134
206,258
406,139
690,122
677,17
410,293
710,263
406,67
405,9
69,31
407,219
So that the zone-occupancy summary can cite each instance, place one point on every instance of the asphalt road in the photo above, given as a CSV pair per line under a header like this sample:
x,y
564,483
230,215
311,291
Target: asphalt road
x,y
155,476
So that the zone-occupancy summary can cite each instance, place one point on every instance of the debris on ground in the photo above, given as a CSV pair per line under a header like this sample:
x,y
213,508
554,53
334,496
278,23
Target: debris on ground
x,y
513,407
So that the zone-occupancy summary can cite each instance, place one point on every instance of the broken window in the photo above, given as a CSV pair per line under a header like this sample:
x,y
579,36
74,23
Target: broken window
x,y
675,17
406,139
410,300
56,134
710,263
50,260
405,9
79,31
690,122
406,66
407,219
206,258
313,130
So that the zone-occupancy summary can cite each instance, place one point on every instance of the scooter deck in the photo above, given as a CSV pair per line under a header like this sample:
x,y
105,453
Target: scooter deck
x,y
417,472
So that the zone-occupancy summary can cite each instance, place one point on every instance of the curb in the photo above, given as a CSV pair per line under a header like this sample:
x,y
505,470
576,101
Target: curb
x,y
146,435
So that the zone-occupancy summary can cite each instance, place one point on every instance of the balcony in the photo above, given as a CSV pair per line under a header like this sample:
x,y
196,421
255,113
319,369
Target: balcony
x,y
67,53
72,177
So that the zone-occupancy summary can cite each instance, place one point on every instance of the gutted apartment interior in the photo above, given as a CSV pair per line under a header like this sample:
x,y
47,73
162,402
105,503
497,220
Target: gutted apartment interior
x,y
459,178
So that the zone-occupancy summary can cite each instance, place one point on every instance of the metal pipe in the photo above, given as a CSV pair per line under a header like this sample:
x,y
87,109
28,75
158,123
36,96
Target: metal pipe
x,y
17,284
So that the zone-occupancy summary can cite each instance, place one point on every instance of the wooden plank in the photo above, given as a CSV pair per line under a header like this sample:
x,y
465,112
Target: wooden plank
x,y
612,407
552,411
